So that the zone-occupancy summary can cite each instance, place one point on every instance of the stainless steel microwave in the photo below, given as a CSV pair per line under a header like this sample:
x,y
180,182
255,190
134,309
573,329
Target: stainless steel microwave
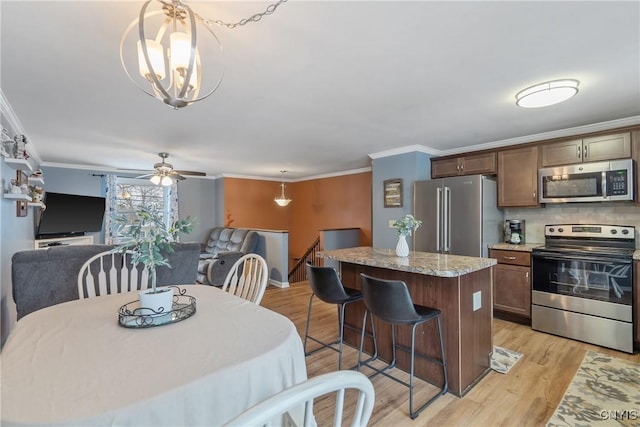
x,y
587,182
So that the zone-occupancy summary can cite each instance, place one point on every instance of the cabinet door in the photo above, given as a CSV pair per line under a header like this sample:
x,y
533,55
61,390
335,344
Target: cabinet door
x,y
562,153
478,164
607,147
635,150
441,168
512,290
518,177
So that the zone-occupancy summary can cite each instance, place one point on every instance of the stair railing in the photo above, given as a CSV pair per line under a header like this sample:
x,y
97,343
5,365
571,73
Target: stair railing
x,y
299,272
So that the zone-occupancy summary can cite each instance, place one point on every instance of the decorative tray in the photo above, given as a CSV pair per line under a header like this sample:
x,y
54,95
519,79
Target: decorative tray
x,y
131,315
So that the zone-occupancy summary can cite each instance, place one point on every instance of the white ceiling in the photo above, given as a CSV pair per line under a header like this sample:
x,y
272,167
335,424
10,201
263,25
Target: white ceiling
x,y
319,85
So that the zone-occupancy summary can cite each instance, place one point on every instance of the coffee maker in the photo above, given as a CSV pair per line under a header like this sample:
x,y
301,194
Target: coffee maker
x,y
514,230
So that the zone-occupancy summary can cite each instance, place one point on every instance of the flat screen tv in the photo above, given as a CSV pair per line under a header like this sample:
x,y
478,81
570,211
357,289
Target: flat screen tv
x,y
70,215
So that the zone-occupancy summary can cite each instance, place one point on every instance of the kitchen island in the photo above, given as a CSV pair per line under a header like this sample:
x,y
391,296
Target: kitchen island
x,y
459,286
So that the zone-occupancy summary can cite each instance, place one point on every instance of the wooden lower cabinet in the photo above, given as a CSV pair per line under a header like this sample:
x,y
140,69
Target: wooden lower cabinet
x,y
512,284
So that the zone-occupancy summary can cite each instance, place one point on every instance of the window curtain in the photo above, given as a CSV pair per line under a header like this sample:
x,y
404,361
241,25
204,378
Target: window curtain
x,y
111,208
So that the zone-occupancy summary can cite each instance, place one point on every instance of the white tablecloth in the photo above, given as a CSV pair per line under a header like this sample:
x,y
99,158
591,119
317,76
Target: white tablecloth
x,y
72,364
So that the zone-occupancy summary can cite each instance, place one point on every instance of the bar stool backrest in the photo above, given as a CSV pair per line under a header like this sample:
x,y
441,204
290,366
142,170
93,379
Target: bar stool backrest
x,y
326,284
389,300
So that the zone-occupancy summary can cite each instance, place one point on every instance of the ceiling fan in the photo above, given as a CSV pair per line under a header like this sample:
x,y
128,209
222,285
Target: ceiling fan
x,y
164,173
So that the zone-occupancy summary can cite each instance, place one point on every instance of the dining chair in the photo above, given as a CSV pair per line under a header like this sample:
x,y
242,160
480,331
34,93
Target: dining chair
x,y
247,278
280,409
112,272
390,301
327,287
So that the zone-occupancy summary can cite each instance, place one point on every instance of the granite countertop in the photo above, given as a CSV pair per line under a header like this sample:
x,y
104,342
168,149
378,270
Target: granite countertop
x,y
527,247
636,254
430,264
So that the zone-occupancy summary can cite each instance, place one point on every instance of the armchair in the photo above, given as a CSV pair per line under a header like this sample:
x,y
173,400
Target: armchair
x,y
223,248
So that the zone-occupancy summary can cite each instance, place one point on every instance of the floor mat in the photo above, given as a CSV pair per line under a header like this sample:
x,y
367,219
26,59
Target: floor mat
x,y
503,359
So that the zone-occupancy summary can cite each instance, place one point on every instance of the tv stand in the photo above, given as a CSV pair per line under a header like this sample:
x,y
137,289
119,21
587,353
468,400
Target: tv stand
x,y
60,241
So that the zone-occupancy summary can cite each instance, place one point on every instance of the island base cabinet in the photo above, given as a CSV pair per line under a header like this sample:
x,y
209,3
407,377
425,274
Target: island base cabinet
x,y
467,333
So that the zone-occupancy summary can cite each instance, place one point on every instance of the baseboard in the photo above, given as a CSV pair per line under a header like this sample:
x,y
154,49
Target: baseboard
x,y
278,284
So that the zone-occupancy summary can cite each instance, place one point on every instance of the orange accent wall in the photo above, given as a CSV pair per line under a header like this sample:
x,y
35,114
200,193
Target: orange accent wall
x,y
336,202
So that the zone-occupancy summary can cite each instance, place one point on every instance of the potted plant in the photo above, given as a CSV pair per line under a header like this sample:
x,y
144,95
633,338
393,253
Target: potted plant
x,y
148,240
405,226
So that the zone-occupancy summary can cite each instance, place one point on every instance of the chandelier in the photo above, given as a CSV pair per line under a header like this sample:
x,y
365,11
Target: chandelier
x,y
282,200
173,60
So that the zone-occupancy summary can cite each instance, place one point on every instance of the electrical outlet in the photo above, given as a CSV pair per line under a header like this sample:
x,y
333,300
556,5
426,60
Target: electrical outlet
x,y
477,300
391,222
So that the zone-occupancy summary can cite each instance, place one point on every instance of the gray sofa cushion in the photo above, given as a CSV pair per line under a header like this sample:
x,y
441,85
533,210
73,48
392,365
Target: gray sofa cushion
x,y
223,239
41,278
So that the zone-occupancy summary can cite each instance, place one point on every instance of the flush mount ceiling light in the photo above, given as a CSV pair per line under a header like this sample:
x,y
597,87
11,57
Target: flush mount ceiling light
x,y
547,93
282,200
172,61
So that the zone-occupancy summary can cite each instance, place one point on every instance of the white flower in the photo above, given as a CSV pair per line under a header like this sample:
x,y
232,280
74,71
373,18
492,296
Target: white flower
x,y
407,225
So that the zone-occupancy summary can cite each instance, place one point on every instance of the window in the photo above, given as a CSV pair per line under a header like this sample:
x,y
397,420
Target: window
x,y
128,195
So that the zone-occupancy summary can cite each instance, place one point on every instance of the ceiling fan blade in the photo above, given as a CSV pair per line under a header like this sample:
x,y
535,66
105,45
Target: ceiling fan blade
x,y
145,176
192,173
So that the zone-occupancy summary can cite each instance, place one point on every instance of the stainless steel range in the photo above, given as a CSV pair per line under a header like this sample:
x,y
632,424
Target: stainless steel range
x,y
582,284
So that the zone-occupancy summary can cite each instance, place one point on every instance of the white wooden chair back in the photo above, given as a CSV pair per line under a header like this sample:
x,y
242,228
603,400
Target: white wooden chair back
x,y
283,408
247,278
112,273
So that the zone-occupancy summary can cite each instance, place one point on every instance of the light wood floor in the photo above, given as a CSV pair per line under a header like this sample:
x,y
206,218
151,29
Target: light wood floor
x,y
526,396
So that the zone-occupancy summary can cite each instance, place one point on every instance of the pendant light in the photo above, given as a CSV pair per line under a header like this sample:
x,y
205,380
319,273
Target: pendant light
x,y
177,56
282,200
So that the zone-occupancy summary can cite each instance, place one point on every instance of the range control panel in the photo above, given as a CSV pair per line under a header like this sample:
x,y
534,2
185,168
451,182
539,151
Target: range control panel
x,y
590,230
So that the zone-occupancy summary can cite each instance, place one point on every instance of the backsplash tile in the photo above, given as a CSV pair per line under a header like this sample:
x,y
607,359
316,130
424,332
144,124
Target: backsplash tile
x,y
612,213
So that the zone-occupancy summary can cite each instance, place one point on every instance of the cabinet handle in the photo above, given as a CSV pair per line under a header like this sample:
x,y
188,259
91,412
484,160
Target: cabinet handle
x,y
526,275
509,257
579,152
462,167
534,195
586,154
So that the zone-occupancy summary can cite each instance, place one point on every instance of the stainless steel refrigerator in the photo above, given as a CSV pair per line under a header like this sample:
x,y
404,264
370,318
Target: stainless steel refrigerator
x,y
459,215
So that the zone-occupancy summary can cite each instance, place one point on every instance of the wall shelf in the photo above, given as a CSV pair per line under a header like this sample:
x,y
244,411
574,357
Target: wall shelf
x,y
18,164
36,204
20,197
36,180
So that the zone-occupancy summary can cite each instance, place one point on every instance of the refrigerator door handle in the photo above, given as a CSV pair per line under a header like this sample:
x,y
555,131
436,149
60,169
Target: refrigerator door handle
x,y
447,220
438,224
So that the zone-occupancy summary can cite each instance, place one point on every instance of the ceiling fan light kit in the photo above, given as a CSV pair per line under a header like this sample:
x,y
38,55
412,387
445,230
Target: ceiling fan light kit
x,y
164,174
282,200
547,93
170,60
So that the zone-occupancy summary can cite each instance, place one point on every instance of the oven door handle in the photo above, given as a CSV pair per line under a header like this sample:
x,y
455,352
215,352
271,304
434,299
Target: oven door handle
x,y
586,258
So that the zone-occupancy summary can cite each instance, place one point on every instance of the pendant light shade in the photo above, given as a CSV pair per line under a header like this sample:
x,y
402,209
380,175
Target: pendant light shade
x,y
282,200
547,93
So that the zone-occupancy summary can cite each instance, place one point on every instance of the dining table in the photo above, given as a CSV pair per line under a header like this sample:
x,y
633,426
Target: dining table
x,y
74,364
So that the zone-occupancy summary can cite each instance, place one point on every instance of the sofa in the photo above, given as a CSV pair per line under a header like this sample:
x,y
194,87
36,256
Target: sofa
x,y
223,248
41,278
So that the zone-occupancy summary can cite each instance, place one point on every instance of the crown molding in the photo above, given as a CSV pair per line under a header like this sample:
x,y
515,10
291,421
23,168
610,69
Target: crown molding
x,y
306,178
560,133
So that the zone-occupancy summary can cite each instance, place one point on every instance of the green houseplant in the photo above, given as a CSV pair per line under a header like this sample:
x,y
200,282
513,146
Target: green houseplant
x,y
405,226
148,240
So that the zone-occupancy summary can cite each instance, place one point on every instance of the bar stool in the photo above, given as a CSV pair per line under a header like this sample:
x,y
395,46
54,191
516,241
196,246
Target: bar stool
x,y
390,301
326,285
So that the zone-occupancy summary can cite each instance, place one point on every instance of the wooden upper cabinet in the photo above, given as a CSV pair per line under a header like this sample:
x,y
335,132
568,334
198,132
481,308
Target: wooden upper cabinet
x,y
594,149
441,168
518,177
470,164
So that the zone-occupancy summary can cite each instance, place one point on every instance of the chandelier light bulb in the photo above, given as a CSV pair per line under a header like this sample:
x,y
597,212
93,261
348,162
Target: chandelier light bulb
x,y
547,93
156,57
